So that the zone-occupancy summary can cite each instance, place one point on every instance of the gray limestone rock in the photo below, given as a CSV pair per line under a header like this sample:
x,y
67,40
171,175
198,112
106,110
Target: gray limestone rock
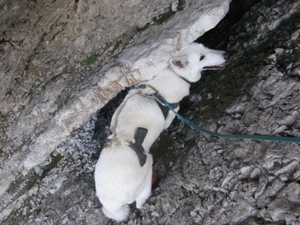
x,y
48,113
67,95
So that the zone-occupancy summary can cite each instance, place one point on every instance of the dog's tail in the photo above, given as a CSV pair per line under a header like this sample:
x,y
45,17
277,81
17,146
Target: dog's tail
x,y
118,215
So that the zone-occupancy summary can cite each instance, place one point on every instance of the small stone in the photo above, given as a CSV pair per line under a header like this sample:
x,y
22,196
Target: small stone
x,y
295,35
38,170
155,214
255,173
279,51
245,171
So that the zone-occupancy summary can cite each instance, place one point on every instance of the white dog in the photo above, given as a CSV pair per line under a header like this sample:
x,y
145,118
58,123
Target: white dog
x,y
124,169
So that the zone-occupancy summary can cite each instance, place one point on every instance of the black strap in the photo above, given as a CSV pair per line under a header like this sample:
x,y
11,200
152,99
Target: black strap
x,y
159,100
165,110
139,137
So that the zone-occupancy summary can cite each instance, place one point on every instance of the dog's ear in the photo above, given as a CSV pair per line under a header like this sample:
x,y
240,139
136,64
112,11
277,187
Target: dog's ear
x,y
179,62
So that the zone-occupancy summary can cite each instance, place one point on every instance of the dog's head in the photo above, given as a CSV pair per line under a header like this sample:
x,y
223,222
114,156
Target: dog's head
x,y
194,58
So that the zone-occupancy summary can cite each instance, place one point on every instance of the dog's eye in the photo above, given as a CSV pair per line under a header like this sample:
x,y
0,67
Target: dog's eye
x,y
202,57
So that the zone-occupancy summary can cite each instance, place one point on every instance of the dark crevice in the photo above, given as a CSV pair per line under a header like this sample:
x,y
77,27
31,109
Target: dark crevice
x,y
218,37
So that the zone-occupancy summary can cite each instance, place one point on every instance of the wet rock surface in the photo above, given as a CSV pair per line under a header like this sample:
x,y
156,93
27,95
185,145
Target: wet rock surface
x,y
202,179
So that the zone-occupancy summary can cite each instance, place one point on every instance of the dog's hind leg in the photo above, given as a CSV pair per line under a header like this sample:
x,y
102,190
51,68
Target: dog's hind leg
x,y
119,214
145,190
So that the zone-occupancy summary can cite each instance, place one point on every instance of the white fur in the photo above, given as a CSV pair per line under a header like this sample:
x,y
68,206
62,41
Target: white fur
x,y
119,178
190,55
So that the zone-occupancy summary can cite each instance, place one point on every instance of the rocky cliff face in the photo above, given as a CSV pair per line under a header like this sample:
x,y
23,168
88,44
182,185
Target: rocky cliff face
x,y
63,61
47,51
39,115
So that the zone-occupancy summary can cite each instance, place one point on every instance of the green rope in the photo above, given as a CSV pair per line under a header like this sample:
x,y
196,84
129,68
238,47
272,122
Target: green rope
x,y
228,136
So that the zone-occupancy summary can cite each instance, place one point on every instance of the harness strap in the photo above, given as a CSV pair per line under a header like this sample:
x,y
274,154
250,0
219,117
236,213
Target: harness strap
x,y
165,110
159,99
139,137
